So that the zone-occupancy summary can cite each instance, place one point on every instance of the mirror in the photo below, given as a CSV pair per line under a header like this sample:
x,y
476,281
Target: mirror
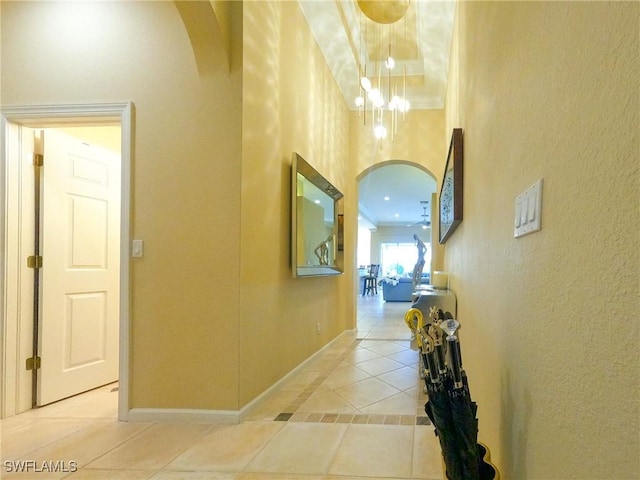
x,y
315,231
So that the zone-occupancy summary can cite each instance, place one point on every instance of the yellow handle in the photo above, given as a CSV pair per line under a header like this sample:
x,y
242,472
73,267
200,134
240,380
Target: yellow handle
x,y
408,319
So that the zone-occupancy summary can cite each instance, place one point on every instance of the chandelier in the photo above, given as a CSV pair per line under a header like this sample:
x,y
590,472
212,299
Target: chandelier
x,y
382,92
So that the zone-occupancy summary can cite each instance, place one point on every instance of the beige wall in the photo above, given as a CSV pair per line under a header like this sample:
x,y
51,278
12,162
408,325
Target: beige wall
x,y
216,316
550,90
185,175
290,103
541,90
419,140
400,235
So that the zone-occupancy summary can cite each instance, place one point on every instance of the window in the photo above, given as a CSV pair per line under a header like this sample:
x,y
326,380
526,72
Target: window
x,y
400,258
364,246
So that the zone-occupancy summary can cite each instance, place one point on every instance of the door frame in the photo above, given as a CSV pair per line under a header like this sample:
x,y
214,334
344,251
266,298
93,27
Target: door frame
x,y
57,116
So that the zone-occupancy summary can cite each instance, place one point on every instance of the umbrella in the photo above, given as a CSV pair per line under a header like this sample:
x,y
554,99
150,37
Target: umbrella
x,y
463,414
438,408
463,410
439,411
449,406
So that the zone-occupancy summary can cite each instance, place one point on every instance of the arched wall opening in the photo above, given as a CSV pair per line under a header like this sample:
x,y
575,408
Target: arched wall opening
x,y
394,206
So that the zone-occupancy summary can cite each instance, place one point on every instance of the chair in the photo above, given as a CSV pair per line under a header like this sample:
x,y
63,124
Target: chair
x,y
371,280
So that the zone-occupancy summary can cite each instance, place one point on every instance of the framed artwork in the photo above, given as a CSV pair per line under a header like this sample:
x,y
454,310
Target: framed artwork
x,y
450,200
340,232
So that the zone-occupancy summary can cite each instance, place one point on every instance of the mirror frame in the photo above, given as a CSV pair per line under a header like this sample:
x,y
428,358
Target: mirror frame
x,y
300,166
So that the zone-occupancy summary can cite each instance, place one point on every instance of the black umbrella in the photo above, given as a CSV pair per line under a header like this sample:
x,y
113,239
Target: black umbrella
x,y
463,414
438,409
463,410
449,406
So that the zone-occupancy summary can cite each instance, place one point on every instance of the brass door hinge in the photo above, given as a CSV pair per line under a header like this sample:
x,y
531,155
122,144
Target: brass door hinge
x,y
33,363
38,160
34,261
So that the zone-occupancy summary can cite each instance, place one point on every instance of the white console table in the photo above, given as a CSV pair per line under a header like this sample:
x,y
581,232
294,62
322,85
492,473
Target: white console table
x,y
425,298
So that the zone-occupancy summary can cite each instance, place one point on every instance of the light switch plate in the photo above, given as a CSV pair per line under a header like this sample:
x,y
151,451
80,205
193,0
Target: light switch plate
x,y
528,210
137,248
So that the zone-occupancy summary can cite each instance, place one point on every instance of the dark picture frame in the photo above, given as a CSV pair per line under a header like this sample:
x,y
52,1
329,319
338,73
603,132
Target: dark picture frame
x,y
451,194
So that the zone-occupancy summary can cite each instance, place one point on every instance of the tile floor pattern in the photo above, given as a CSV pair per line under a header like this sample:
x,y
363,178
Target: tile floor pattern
x,y
355,412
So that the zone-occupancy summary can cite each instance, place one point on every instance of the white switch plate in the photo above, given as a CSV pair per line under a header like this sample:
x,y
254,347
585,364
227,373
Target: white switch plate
x,y
137,248
528,210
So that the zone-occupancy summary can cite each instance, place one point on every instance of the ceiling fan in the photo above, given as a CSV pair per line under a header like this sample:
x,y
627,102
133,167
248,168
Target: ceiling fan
x,y
424,223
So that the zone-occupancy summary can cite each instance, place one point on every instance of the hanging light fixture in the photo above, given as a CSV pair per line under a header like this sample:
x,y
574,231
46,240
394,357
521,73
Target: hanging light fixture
x,y
381,92
384,11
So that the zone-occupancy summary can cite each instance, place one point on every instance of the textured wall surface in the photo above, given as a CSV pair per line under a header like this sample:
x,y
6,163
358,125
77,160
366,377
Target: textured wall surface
x,y
185,174
420,139
291,103
550,320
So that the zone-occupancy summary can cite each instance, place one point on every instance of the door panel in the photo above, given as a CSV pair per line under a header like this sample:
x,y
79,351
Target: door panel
x,y
80,272
86,340
88,219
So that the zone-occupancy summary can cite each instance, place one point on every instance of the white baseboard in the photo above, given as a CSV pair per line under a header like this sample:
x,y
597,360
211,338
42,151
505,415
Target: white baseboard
x,y
182,415
185,415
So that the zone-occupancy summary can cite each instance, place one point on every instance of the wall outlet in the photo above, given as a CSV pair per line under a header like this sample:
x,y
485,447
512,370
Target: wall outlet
x,y
318,328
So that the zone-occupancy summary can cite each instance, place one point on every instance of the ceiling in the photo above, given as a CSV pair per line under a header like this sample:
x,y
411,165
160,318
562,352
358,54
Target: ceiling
x,y
392,195
420,43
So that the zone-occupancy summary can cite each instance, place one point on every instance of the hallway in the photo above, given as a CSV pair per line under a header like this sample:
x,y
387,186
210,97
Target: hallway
x,y
354,411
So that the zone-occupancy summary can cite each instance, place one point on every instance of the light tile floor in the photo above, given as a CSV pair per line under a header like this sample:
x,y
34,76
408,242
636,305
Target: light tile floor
x,y
355,412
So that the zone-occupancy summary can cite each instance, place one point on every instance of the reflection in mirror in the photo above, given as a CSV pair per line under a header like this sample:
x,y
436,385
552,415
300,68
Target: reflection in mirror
x,y
314,222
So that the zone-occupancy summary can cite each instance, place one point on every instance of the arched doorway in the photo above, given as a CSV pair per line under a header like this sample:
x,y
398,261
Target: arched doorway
x,y
394,204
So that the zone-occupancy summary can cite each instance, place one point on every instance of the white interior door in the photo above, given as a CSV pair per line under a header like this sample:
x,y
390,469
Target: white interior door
x,y
80,237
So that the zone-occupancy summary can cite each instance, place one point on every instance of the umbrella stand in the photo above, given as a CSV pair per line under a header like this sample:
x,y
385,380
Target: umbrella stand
x,y
449,405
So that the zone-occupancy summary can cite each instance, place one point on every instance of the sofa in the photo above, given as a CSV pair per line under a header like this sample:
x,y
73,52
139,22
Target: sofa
x,y
400,289
400,292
